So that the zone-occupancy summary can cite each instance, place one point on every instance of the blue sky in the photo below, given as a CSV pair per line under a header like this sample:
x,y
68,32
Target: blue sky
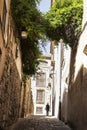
x,y
44,7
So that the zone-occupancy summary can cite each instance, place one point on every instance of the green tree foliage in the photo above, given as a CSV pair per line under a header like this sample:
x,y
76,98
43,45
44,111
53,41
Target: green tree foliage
x,y
64,21
27,18
30,54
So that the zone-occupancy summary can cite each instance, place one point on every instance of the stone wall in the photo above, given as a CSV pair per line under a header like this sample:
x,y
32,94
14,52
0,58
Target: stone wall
x,y
9,93
2,54
15,97
26,103
10,68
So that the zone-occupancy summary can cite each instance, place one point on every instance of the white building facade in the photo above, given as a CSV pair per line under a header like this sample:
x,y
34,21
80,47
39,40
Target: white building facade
x,y
61,57
42,88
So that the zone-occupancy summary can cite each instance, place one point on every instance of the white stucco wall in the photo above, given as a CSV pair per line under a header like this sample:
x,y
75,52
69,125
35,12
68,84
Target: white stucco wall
x,y
44,67
81,58
61,53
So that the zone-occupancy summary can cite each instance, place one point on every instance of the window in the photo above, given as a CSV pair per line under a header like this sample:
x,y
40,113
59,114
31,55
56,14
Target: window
x,y
0,21
16,53
40,98
39,110
4,16
0,51
41,80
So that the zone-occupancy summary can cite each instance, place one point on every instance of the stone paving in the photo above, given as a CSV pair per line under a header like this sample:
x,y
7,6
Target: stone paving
x,y
39,123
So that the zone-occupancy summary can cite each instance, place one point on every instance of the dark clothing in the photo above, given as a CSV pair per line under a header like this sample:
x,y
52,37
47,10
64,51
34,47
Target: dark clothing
x,y
47,109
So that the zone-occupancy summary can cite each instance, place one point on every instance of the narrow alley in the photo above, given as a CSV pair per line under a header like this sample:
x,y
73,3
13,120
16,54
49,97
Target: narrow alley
x,y
43,65
39,123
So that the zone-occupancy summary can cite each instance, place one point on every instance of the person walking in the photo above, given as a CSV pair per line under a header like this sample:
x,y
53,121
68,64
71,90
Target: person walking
x,y
47,109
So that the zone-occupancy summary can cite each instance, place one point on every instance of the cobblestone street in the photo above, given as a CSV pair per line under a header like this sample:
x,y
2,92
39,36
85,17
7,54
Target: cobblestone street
x,y
39,123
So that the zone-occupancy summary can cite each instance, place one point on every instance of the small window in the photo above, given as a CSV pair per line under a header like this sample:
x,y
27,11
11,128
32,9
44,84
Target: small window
x,y
16,53
0,52
0,21
4,16
39,110
40,99
41,80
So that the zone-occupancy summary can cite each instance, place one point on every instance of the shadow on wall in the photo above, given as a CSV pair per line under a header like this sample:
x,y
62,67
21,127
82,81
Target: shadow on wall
x,y
77,96
77,101
72,64
64,105
73,56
